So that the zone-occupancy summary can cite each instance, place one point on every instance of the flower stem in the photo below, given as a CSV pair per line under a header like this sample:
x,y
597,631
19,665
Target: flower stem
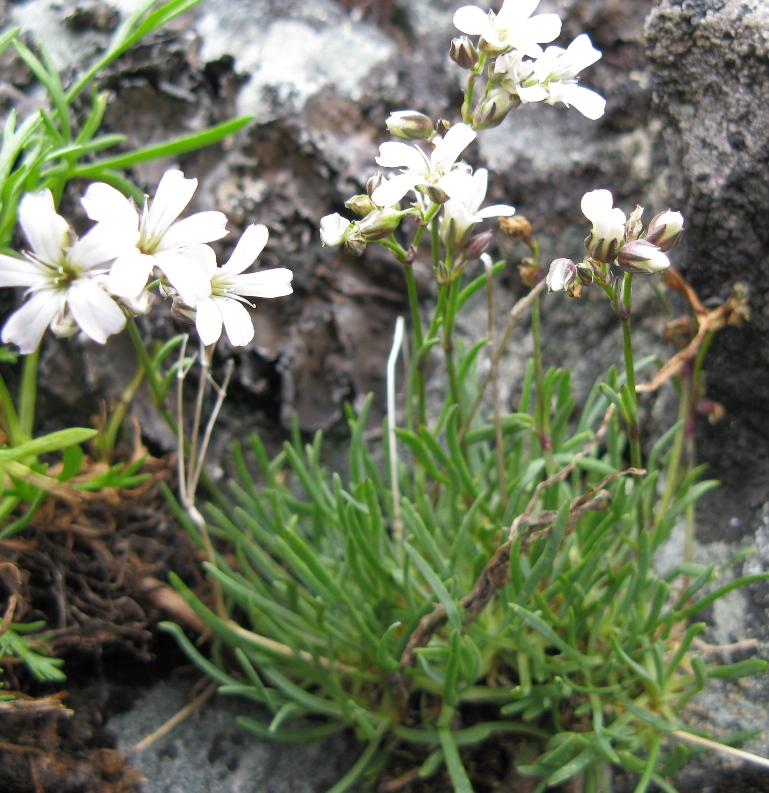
x,y
542,409
28,396
634,434
449,319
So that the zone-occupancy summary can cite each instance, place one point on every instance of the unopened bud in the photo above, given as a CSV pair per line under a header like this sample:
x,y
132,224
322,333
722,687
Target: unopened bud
x,y
410,125
63,325
355,245
379,224
361,204
181,312
478,244
374,182
585,273
464,53
516,227
493,108
633,224
640,256
665,230
562,274
334,229
436,194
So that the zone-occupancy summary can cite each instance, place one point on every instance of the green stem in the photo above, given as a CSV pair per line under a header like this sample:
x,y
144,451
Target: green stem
x,y
119,411
8,415
633,431
28,396
542,409
449,319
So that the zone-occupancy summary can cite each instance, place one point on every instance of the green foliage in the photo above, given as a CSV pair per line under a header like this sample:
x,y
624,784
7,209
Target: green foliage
x,y
563,634
23,641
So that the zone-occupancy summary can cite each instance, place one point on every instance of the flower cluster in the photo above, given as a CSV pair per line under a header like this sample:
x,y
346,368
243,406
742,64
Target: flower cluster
x,y
521,71
438,181
93,284
615,239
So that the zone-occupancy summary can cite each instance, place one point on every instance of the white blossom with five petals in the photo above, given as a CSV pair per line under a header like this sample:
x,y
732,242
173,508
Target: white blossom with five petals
x,y
177,247
463,211
229,285
64,277
512,28
420,172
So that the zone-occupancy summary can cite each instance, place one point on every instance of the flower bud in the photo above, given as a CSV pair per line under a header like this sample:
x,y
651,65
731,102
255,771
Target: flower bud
x,y
378,224
640,256
633,224
608,226
665,230
410,125
63,325
434,193
374,182
181,312
464,53
478,244
354,245
562,274
493,108
361,204
517,228
334,229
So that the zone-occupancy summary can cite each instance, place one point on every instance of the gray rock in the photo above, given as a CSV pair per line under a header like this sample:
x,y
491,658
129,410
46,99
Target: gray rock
x,y
711,86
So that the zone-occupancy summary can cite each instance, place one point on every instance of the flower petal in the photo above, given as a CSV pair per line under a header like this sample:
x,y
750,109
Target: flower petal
x,y
471,20
250,245
97,314
103,243
396,155
172,196
208,321
596,204
263,283
26,326
129,273
496,211
237,321
542,28
104,203
454,142
392,190
194,230
22,272
188,275
46,232
589,103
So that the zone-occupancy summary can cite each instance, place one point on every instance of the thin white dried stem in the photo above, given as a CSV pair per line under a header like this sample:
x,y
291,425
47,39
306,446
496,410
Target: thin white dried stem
x,y
205,366
749,757
391,424
181,373
221,393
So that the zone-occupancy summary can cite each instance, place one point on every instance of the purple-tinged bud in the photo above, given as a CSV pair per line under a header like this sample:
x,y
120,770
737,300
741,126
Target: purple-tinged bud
x,y
633,225
374,182
410,125
640,256
464,53
665,230
585,273
562,274
378,224
478,244
361,204
493,108
355,245
436,194
181,312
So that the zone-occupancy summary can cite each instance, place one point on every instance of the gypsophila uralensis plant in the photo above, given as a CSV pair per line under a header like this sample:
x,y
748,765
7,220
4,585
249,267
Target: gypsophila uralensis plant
x,y
96,285
494,577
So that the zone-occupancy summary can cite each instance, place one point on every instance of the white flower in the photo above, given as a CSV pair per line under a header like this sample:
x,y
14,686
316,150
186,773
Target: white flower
x,y
159,239
553,77
334,229
461,213
227,286
420,172
512,28
608,225
665,229
63,275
